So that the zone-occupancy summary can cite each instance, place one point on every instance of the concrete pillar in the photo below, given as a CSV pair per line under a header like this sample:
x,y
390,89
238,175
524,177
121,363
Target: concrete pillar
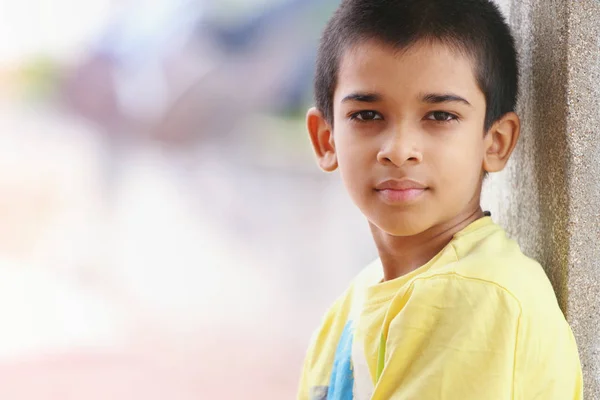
x,y
549,196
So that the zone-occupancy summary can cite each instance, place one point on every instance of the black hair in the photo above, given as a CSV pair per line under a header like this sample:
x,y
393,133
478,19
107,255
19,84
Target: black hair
x,y
474,27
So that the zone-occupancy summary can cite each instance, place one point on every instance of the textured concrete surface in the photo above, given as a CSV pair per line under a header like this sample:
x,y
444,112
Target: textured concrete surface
x,y
549,196
582,136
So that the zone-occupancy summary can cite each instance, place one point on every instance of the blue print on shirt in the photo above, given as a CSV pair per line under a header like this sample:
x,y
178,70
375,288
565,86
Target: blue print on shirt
x,y
341,386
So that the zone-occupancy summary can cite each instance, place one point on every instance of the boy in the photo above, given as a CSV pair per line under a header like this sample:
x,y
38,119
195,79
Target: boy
x,y
415,105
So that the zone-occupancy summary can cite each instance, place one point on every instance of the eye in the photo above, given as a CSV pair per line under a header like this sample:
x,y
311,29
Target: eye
x,y
365,116
441,116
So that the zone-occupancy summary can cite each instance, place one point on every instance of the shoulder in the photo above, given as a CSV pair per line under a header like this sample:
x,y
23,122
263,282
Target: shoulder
x,y
490,272
460,299
497,260
350,300
343,310
541,328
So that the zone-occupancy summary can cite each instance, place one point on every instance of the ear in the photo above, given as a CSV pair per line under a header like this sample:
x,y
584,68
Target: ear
x,y
321,136
500,141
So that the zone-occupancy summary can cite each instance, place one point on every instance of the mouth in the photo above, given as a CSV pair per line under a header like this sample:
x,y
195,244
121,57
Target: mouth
x,y
400,191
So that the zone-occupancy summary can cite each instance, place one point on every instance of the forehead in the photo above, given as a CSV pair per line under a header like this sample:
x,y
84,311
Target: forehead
x,y
422,68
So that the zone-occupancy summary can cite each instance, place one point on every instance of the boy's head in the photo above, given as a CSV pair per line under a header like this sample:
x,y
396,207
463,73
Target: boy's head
x,y
421,96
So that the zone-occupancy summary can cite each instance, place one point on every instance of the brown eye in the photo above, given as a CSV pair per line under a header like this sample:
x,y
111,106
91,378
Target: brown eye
x,y
364,116
441,116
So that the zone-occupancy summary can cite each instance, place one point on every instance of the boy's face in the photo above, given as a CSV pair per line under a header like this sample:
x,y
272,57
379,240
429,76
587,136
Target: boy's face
x,y
408,135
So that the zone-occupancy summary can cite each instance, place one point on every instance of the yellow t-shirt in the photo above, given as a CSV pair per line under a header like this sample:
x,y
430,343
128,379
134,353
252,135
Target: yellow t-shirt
x,y
478,321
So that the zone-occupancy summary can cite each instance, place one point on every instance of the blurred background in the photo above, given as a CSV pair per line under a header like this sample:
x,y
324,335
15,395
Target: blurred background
x,y
164,231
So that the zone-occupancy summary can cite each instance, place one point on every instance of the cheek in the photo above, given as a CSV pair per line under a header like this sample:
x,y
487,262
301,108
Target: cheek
x,y
355,159
459,162
354,152
353,169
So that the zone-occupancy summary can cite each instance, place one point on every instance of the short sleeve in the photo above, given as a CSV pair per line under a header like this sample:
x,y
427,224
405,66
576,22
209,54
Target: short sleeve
x,y
547,365
452,338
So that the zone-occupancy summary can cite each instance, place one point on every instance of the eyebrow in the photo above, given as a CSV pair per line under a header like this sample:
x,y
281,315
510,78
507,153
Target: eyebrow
x,y
362,97
435,98
431,98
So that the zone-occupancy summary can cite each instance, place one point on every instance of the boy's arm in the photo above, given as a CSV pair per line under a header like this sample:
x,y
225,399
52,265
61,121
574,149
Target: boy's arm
x,y
548,365
320,354
460,338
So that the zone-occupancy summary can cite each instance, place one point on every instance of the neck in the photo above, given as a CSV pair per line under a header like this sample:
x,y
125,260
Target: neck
x,y
401,255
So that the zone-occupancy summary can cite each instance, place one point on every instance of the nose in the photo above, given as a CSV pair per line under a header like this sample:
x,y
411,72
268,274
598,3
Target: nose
x,y
401,146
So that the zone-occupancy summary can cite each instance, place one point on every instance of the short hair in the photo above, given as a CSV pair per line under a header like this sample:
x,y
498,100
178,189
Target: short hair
x,y
474,27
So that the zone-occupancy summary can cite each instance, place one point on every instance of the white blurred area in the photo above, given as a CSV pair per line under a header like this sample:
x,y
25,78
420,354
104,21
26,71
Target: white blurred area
x,y
164,232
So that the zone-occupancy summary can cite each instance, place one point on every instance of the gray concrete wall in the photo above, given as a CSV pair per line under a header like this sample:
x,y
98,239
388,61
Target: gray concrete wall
x,y
583,140
549,196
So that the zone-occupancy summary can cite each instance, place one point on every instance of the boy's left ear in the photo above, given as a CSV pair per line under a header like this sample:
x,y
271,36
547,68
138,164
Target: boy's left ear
x,y
500,141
